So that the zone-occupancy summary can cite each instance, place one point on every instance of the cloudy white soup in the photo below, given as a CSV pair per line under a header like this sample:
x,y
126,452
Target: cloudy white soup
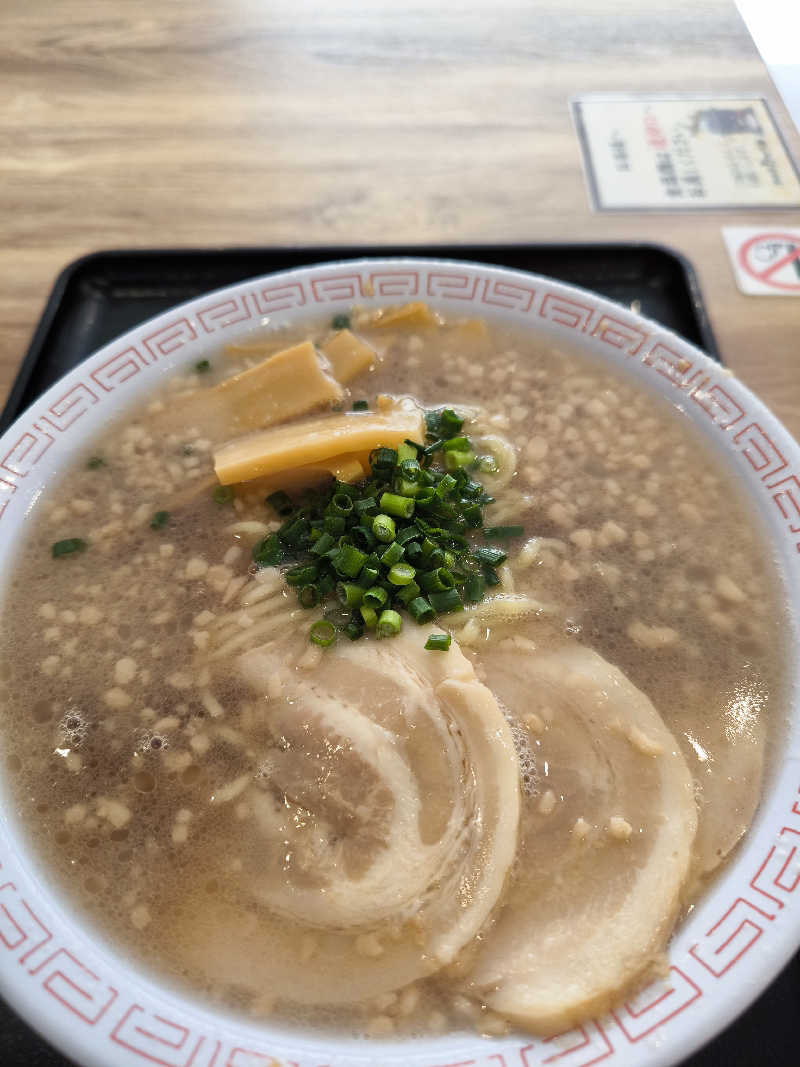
x,y
399,675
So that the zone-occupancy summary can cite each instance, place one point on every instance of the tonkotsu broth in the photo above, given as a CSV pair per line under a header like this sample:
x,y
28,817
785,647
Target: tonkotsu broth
x,y
135,759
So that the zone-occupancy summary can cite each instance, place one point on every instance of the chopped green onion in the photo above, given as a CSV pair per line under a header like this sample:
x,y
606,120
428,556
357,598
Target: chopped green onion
x,y
349,595
68,546
159,520
450,422
223,494
487,465
334,524
269,552
95,462
362,506
454,460
409,534
436,581
362,536
401,506
280,502
406,451
383,526
401,574
473,513
382,459
340,322
474,588
421,610
344,487
376,596
369,575
456,444
202,366
449,600
340,504
490,576
435,559
322,633
323,543
294,532
392,542
348,561
407,487
406,593
305,574
438,642
490,556
309,596
360,405
393,554
492,533
389,623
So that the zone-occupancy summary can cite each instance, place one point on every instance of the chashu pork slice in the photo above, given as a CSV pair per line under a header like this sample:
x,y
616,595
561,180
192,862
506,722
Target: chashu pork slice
x,y
385,819
606,833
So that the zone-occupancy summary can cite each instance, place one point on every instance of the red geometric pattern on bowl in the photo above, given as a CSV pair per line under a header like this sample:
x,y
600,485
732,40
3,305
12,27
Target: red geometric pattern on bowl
x,y
150,1035
452,285
580,1047
225,313
508,295
338,287
26,452
67,408
270,299
570,313
656,1005
394,284
117,369
628,339
161,1041
174,335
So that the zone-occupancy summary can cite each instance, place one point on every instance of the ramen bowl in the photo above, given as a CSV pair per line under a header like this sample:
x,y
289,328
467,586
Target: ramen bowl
x,y
85,997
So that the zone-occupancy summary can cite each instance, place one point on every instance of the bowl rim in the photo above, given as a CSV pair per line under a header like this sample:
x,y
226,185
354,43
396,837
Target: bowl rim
x,y
51,982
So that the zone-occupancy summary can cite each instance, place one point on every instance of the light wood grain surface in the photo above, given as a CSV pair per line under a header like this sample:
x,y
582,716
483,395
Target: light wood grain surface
x,y
166,123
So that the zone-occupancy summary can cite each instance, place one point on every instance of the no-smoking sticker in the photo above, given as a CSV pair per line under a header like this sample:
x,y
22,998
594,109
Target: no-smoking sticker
x,y
766,261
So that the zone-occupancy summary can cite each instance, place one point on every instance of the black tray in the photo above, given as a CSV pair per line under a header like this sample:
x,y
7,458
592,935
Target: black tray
x,y
100,296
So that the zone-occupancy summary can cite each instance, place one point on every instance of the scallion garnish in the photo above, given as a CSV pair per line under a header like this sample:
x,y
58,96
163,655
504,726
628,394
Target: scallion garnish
x,y
438,642
280,502
223,494
360,405
95,462
491,556
401,574
68,547
401,506
383,526
322,633
202,366
159,520
389,623
421,610
498,533
340,322
400,541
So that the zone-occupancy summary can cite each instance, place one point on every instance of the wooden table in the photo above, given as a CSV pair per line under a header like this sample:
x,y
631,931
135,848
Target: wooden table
x,y
287,121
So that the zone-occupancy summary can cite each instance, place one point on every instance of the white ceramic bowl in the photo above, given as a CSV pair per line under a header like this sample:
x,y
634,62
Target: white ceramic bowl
x,y
90,1002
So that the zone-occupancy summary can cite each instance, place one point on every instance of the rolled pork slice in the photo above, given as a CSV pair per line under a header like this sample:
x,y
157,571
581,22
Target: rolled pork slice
x,y
606,835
